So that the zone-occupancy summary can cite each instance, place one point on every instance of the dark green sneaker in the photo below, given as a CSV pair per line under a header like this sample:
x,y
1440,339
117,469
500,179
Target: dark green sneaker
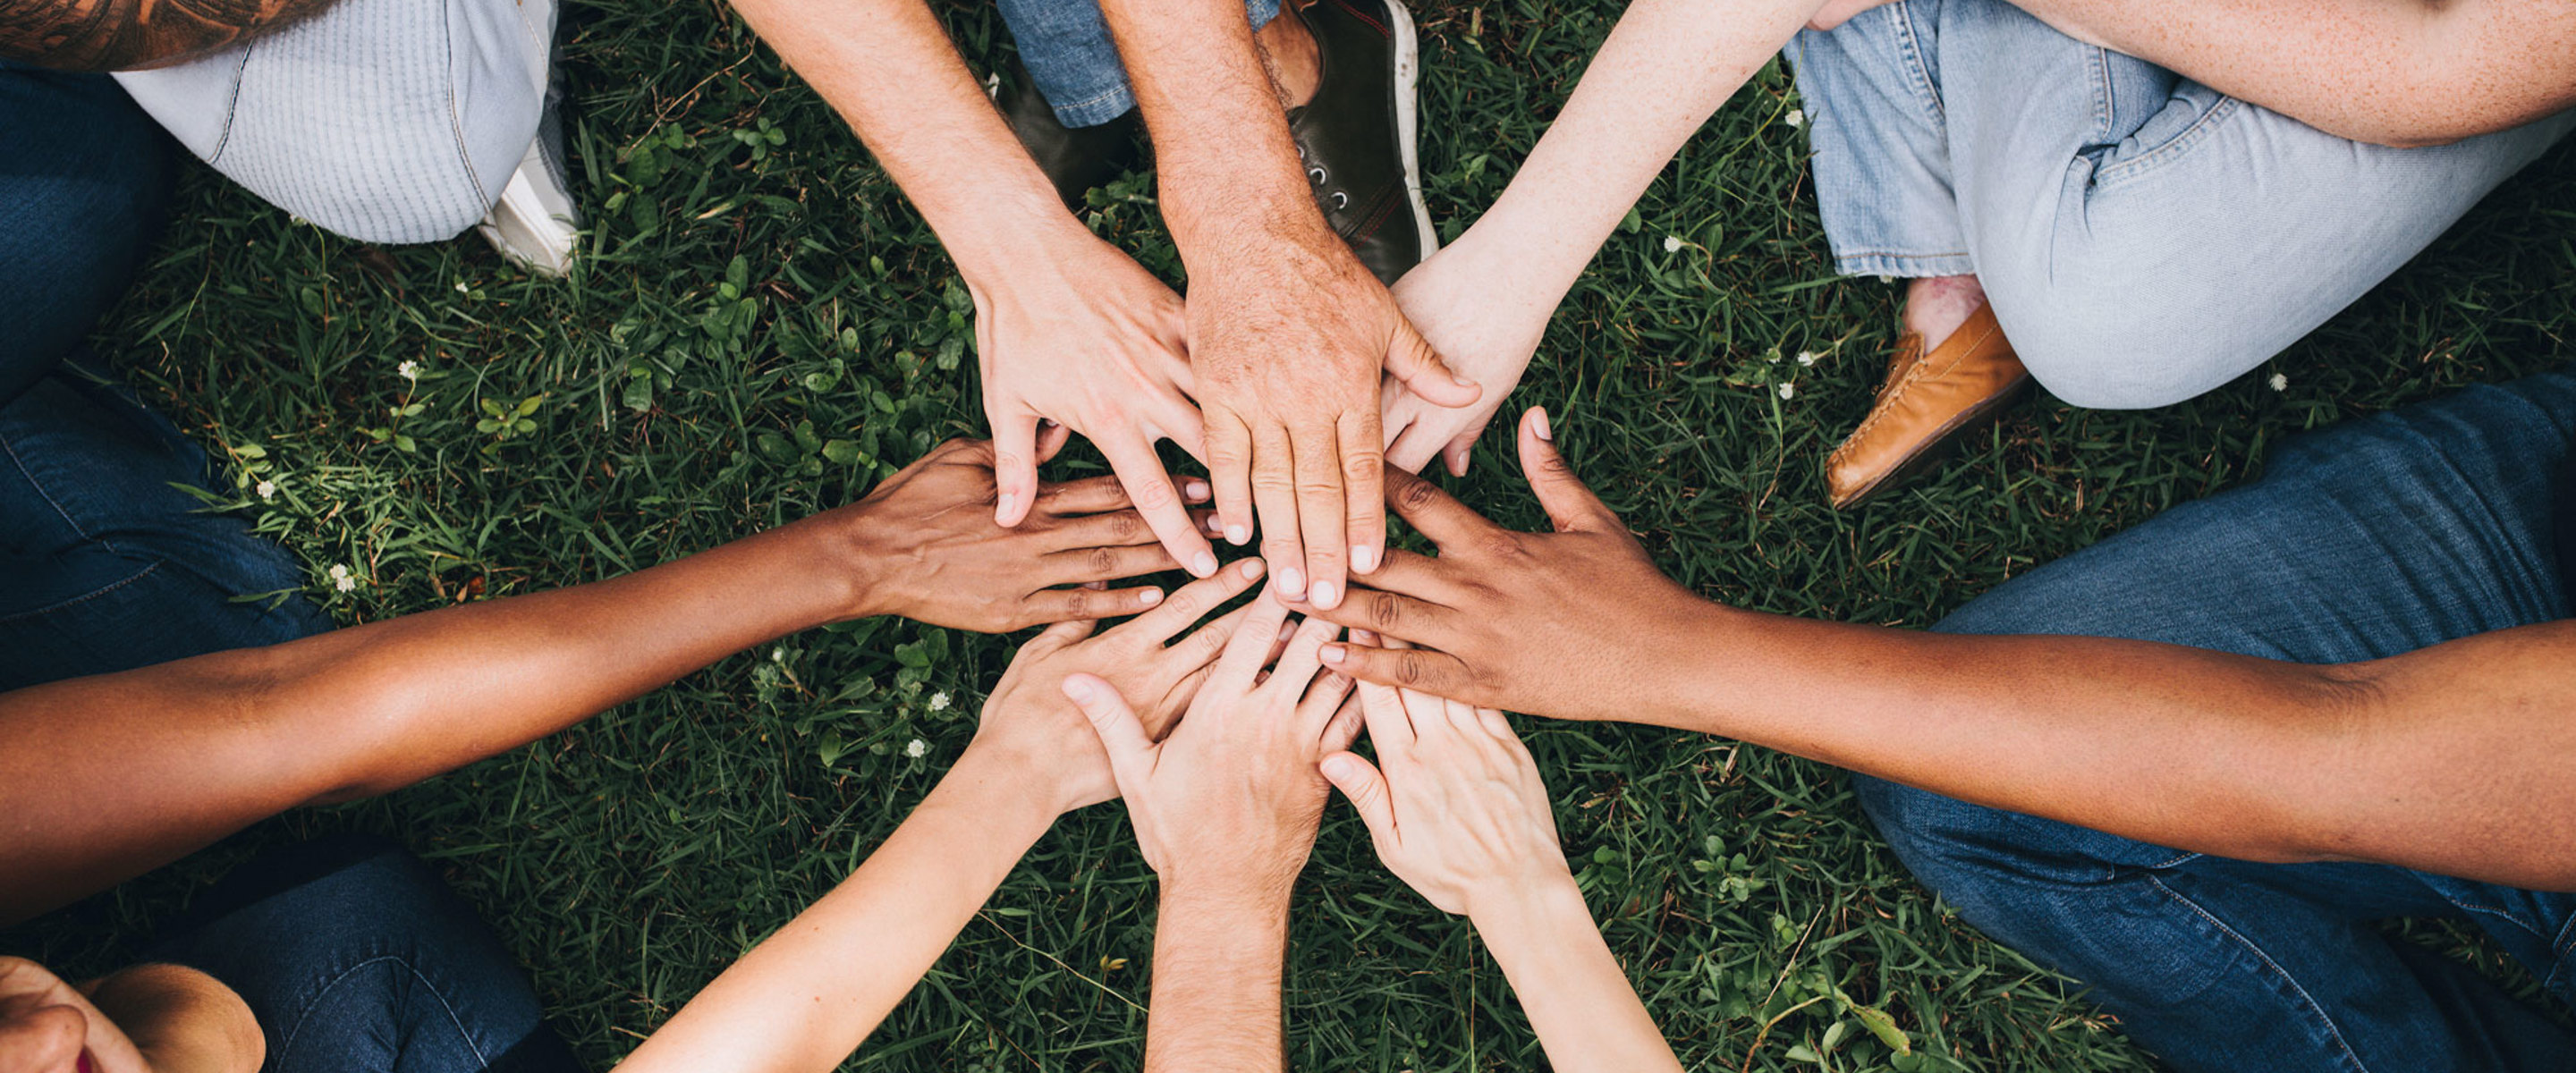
x,y
1357,135
1075,159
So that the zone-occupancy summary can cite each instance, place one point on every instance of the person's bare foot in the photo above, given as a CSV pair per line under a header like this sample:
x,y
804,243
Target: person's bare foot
x,y
1288,51
1936,306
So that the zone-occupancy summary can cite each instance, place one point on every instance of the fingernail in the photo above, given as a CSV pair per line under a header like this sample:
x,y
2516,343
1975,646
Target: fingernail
x,y
1322,596
1363,558
1292,582
1538,425
1461,380
1078,689
1213,526
1366,637
1236,535
1333,654
1194,491
1002,507
1203,565
1338,768
1150,597
1252,568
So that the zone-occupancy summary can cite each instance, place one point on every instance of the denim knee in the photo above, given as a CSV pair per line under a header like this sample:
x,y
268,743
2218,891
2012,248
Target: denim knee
x,y
2099,340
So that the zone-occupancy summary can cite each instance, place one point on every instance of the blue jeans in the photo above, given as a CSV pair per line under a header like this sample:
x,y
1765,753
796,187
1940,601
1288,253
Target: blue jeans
x,y
356,959
2372,538
103,565
1066,47
2142,238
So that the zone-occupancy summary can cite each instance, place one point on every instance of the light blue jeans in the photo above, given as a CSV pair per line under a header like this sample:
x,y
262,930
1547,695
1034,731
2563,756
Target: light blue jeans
x,y
382,120
1066,47
2141,237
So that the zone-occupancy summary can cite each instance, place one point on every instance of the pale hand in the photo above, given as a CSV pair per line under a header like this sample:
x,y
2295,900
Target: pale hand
x,y
1287,341
1229,800
1083,336
1029,719
46,1026
1453,303
1454,804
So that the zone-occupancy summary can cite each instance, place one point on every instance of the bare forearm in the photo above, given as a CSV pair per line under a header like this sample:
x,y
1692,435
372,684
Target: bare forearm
x,y
116,35
2442,759
1586,1014
889,69
1665,68
2394,72
1228,169
102,778
808,995
1217,958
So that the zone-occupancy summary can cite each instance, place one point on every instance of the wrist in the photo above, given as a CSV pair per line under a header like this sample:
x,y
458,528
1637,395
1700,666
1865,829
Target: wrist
x,y
833,559
1521,918
1680,645
1015,240
1014,792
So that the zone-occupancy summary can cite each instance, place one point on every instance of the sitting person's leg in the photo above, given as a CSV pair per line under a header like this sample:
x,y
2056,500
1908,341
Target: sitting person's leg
x,y
2380,536
84,186
356,959
2142,239
381,120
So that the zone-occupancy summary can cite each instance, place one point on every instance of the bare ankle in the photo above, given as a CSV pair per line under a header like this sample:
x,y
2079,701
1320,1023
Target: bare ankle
x,y
1936,306
1289,53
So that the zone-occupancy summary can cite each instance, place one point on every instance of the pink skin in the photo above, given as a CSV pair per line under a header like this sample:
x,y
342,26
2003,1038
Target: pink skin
x,y
1935,306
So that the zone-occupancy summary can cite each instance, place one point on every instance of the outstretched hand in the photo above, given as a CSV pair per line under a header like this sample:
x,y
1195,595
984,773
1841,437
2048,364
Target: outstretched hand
x,y
1562,624
1029,719
1454,804
928,548
1229,800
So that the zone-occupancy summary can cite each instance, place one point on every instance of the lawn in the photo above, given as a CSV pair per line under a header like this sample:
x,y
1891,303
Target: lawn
x,y
763,328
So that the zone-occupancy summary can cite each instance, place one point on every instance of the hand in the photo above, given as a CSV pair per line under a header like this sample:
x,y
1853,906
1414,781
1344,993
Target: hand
x,y
926,547
1837,12
1083,336
1459,812
1570,624
48,1027
1229,800
185,1021
1287,342
1486,338
1028,718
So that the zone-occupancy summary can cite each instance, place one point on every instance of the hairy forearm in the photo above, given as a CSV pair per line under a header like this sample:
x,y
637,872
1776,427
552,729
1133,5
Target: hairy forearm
x,y
1587,1015
103,778
2393,72
1665,68
807,996
1217,958
1226,164
2445,759
117,35
888,68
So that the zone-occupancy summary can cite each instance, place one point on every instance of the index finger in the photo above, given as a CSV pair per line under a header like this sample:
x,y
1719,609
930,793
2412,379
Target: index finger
x,y
1363,483
1436,513
1150,488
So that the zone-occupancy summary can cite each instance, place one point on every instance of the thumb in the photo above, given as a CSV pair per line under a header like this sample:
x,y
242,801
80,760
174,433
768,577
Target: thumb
x,y
1130,751
1360,782
1570,506
1015,466
1410,359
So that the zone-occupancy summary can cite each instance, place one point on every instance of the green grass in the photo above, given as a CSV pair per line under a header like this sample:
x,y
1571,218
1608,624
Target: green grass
x,y
758,287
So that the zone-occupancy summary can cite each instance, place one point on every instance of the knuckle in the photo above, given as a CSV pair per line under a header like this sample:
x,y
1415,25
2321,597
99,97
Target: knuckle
x,y
1385,609
1362,465
1416,495
1151,494
1102,560
1500,545
1411,668
1077,603
1124,524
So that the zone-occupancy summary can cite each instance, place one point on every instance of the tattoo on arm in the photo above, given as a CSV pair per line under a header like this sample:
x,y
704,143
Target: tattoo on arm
x,y
111,35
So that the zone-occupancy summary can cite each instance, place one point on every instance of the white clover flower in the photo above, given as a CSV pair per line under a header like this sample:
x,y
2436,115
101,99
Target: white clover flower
x,y
1797,117
2280,381
461,288
939,701
341,579
267,490
1672,244
917,749
1788,390
410,370
778,655
1807,358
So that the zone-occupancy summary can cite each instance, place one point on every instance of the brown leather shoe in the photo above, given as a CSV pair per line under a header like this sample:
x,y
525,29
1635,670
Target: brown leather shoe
x,y
1929,400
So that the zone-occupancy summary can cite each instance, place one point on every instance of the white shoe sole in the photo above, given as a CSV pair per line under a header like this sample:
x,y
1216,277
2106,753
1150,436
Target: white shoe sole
x,y
1408,70
533,223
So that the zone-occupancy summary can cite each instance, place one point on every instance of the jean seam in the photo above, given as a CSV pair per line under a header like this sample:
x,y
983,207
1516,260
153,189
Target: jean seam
x,y
2332,1032
2558,953
85,597
456,118
1911,45
232,105
1900,256
47,495
2173,148
286,1039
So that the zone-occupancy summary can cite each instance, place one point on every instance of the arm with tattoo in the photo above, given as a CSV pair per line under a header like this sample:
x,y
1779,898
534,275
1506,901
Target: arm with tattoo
x,y
117,35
